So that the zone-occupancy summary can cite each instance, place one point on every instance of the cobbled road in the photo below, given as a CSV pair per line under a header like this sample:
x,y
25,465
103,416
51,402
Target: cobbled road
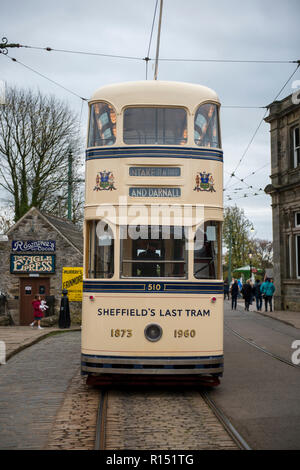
x,y
32,388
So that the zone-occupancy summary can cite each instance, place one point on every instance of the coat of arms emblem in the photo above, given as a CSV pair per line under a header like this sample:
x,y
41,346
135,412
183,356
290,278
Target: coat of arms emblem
x,y
105,181
204,182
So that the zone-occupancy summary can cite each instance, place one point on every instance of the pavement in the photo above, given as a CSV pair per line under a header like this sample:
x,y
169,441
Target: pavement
x,y
285,316
17,338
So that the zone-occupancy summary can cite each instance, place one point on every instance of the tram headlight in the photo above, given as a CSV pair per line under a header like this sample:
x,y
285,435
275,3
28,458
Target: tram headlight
x,y
153,332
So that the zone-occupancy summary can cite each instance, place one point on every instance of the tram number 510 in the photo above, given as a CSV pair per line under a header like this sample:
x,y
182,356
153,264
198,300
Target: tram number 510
x,y
154,287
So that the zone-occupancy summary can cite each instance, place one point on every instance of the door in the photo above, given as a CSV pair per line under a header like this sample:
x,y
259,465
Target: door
x,y
29,288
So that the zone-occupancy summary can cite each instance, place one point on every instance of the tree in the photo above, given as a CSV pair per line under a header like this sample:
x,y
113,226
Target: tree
x,y
6,219
236,226
262,253
36,134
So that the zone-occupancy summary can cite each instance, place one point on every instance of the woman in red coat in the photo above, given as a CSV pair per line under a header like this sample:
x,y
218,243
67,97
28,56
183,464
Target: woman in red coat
x,y
37,312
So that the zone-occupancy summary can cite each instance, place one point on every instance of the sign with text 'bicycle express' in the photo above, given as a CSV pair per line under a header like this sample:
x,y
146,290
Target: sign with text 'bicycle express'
x,y
72,281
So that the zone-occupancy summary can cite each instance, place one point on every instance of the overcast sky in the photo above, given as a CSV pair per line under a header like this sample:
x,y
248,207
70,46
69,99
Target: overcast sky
x,y
193,29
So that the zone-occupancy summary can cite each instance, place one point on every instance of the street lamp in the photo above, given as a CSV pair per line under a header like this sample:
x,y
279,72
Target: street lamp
x,y
250,259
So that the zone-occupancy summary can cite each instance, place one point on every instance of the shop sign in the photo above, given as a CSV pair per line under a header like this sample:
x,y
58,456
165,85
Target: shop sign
x,y
33,245
28,264
72,280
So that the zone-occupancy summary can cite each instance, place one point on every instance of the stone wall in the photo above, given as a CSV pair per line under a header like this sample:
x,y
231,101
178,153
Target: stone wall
x,y
35,227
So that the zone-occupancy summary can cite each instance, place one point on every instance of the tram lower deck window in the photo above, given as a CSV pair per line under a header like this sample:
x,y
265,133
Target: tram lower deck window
x,y
207,251
153,252
150,125
101,250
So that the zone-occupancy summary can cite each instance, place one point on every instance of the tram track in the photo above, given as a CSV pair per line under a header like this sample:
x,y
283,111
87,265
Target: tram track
x,y
264,350
190,420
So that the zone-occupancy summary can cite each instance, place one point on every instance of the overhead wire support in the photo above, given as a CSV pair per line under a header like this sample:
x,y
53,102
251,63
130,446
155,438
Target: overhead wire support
x,y
4,45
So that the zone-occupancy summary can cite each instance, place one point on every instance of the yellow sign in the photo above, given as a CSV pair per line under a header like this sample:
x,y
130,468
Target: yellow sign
x,y
72,281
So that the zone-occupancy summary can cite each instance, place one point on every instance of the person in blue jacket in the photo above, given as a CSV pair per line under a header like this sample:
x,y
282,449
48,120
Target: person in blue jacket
x,y
267,289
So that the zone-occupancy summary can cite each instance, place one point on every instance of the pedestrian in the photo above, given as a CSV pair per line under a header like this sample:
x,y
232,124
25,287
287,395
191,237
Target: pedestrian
x,y
247,294
64,320
258,295
234,294
37,312
267,289
240,284
226,289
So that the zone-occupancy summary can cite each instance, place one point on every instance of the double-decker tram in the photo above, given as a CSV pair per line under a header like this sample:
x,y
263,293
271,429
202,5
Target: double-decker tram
x,y
153,289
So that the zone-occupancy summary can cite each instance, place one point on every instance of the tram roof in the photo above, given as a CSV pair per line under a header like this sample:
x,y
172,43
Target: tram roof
x,y
155,92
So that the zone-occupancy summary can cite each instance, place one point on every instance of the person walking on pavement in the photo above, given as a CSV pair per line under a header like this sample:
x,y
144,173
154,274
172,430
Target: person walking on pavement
x,y
226,289
234,294
267,289
258,294
37,312
247,294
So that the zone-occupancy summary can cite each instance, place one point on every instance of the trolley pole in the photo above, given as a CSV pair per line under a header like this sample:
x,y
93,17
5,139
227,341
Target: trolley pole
x,y
158,40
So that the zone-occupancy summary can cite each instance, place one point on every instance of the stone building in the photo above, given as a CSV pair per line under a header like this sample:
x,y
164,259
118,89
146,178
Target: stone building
x,y
39,246
284,119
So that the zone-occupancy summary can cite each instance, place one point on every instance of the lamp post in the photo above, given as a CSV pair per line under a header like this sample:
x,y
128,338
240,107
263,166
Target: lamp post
x,y
230,253
250,259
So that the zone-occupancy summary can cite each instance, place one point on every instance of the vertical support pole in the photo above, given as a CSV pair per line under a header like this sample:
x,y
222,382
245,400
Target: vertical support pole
x,y
70,161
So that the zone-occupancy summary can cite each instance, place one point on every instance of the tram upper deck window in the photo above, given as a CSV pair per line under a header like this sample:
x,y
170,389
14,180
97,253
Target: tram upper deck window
x,y
101,250
102,130
206,126
207,251
150,125
153,252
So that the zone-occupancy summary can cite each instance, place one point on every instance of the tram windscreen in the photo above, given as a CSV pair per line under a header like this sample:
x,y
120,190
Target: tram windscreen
x,y
206,128
153,251
102,129
207,251
150,125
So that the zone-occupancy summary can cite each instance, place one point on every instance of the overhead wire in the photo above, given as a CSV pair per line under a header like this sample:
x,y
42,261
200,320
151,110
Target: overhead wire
x,y
45,77
259,125
162,59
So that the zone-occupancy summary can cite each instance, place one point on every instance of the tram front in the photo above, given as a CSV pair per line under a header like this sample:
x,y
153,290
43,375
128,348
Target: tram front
x,y
153,289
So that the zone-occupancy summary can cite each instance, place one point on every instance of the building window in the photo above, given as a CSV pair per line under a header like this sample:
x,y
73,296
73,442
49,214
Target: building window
x,y
298,256
101,250
297,219
295,138
289,257
153,252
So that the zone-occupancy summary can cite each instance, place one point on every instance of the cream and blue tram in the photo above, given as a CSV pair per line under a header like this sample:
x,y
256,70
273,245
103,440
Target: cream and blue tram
x,y
153,289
